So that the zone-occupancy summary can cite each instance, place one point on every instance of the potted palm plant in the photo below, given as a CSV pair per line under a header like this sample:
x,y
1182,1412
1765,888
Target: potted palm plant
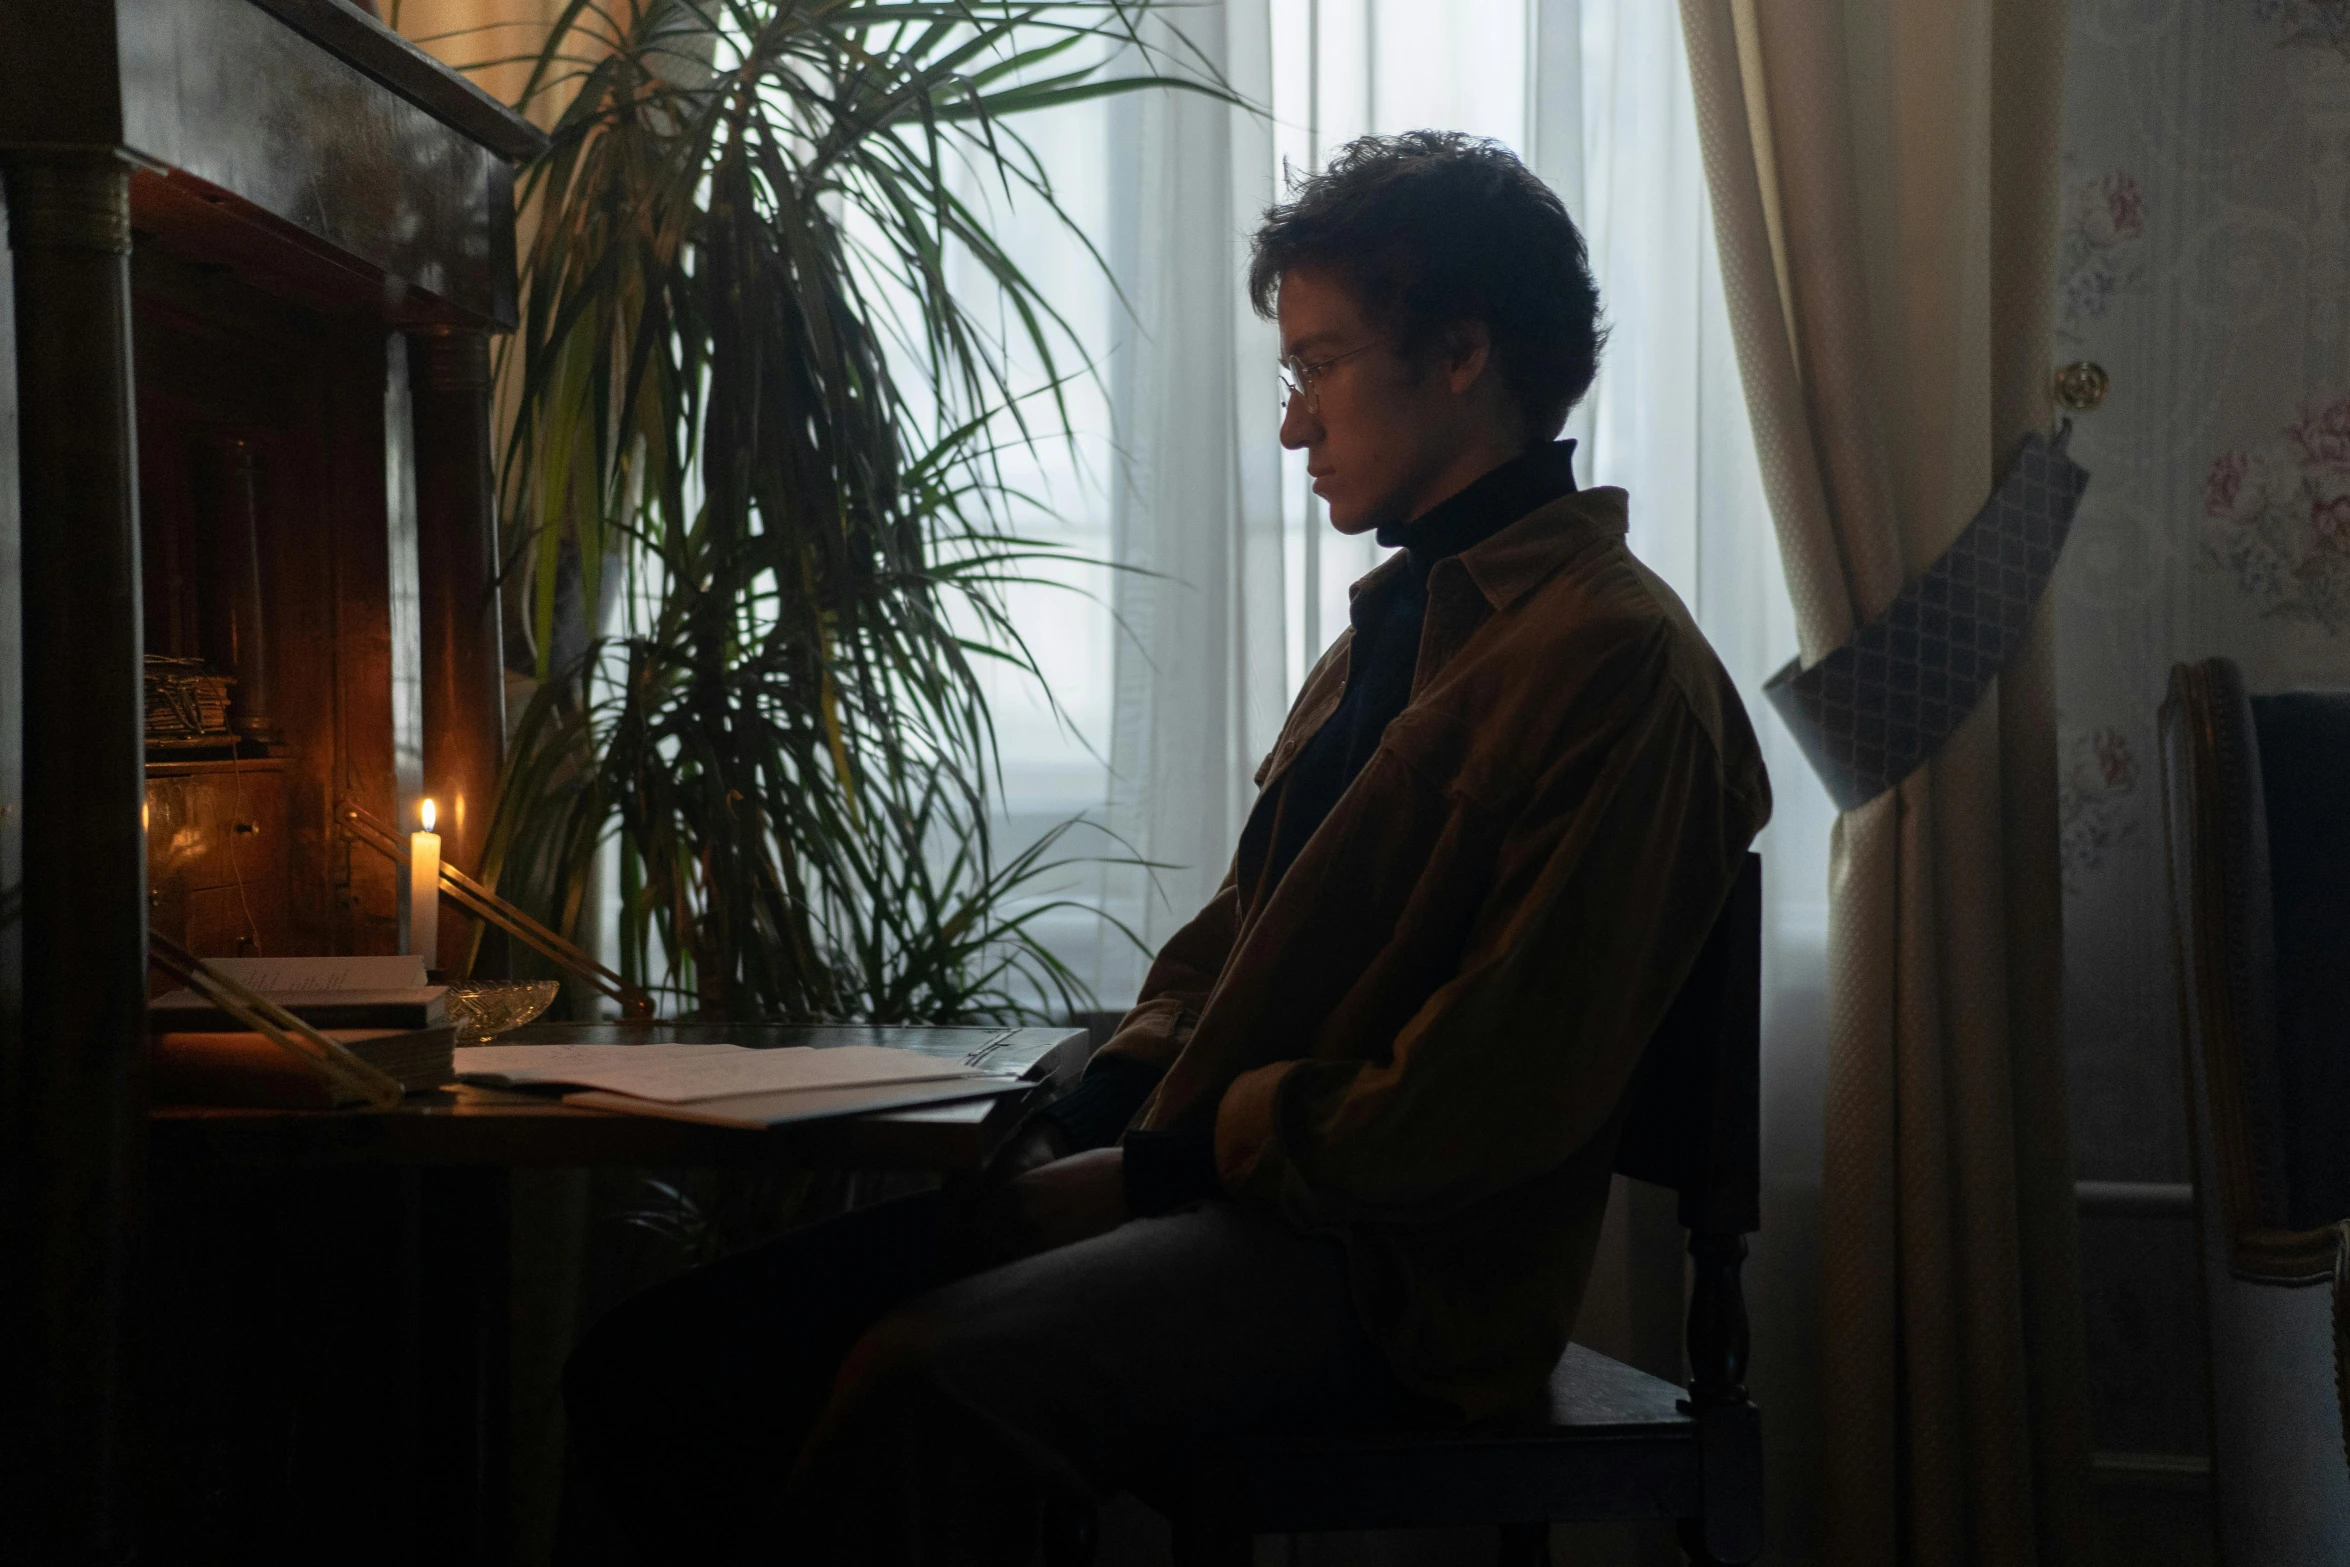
x,y
755,423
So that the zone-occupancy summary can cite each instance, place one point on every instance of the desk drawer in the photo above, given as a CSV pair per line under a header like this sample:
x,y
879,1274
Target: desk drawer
x,y
217,857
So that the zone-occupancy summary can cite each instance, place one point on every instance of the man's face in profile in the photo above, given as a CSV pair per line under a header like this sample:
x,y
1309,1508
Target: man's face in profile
x,y
1379,432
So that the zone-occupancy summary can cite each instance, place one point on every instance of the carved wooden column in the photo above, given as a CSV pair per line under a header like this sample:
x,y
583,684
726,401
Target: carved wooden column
x,y
457,561
231,622
72,1128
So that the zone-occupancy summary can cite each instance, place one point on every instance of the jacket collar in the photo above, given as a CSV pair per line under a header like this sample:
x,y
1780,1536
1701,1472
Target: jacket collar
x,y
1521,557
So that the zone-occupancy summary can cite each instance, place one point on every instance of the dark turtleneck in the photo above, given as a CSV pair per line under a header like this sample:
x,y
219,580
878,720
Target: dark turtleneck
x,y
1386,651
1168,1169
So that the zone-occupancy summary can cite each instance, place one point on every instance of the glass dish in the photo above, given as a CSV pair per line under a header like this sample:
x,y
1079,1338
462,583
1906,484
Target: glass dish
x,y
482,1009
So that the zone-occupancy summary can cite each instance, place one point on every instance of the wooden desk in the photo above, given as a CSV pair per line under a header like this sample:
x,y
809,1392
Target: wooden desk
x,y
334,1291
479,1126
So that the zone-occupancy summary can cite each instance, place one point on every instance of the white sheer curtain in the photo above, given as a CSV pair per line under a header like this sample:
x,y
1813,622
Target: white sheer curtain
x,y
1201,675
1166,674
1231,582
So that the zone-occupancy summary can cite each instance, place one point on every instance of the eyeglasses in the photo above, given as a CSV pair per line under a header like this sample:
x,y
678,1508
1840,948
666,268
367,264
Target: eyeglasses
x,y
1299,379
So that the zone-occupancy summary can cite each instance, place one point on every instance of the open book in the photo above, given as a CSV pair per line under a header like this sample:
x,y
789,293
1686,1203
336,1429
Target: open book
x,y
729,1085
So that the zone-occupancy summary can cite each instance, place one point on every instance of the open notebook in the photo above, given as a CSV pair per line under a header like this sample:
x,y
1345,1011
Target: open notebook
x,y
728,1085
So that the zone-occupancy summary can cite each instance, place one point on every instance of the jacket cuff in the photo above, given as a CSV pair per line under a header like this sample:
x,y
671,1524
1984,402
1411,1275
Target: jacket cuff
x,y
1153,1033
1092,1114
1246,1155
1169,1170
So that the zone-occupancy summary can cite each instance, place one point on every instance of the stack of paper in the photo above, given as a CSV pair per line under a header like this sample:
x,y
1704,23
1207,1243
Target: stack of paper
x,y
346,992
201,1067
728,1084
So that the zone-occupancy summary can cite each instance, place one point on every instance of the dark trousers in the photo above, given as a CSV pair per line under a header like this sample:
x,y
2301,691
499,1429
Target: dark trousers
x,y
835,1396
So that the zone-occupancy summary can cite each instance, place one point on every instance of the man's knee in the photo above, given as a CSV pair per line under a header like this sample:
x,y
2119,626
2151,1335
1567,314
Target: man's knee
x,y
942,1373
901,1361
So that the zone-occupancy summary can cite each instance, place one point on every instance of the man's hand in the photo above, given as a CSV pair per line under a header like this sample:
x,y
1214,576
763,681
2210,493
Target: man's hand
x,y
1053,1204
1038,1142
1072,1199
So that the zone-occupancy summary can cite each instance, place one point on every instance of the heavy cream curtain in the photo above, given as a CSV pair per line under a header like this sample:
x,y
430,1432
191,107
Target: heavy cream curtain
x,y
1884,185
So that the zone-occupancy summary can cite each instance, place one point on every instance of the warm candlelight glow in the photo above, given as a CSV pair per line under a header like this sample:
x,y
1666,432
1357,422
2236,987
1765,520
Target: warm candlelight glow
x,y
424,887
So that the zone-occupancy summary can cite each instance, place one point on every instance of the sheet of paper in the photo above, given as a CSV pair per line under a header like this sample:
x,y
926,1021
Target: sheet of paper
x,y
681,1074
806,1104
282,975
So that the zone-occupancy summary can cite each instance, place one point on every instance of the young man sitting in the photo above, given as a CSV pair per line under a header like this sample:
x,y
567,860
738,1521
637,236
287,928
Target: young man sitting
x,y
1352,1146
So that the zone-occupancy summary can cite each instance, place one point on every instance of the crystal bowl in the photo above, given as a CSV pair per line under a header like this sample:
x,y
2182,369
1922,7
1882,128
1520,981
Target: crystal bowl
x,y
483,1009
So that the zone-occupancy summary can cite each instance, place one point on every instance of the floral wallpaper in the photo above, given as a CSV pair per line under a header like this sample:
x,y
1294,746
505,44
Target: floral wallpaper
x,y
2098,259
2278,519
2096,806
2318,24
2205,263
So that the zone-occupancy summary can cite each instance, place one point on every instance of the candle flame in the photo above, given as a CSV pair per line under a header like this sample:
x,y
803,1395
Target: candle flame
x,y
424,813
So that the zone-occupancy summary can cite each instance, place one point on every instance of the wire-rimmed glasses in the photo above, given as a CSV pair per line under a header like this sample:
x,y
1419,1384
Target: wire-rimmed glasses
x,y
1300,378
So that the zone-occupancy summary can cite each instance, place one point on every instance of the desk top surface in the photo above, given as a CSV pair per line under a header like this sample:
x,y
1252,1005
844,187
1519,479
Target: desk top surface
x,y
482,1126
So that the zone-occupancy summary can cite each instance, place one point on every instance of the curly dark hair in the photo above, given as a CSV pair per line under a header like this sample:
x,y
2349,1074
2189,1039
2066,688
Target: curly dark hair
x,y
1431,228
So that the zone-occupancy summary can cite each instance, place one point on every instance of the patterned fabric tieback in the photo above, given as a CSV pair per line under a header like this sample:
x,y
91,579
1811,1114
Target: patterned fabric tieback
x,y
1869,713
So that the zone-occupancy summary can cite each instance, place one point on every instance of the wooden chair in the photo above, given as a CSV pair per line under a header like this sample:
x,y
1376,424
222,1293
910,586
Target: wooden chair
x,y
1612,1443
2254,793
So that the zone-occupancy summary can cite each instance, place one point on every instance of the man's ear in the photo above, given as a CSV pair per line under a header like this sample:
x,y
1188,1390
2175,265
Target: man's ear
x,y
1467,348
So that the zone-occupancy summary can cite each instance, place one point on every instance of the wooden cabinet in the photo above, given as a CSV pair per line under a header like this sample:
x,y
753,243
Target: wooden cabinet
x,y
273,230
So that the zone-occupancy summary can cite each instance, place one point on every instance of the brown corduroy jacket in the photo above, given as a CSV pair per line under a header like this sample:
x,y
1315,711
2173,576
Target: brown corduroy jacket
x,y
1419,1039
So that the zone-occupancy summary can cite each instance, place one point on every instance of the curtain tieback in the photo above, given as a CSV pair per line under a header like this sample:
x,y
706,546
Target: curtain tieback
x,y
1872,711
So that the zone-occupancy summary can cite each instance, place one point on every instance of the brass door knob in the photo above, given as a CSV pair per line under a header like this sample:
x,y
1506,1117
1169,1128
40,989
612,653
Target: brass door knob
x,y
2082,385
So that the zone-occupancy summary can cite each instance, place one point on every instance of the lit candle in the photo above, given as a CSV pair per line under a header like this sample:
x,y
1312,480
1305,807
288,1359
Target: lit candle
x,y
424,889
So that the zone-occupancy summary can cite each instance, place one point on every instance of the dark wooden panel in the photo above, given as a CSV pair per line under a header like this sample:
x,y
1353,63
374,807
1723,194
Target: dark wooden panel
x,y
57,78
464,679
71,1151
228,94
357,617
233,922
413,74
181,216
220,358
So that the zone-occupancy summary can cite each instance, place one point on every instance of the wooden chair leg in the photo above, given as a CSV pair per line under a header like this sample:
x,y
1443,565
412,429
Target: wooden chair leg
x,y
1524,1545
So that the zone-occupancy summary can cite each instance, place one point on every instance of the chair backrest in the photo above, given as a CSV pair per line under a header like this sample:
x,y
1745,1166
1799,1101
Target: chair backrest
x,y
2305,794
1693,1122
1694,1118
2260,884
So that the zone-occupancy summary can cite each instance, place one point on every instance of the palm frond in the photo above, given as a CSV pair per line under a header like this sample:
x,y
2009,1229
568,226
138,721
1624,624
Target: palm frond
x,y
748,385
